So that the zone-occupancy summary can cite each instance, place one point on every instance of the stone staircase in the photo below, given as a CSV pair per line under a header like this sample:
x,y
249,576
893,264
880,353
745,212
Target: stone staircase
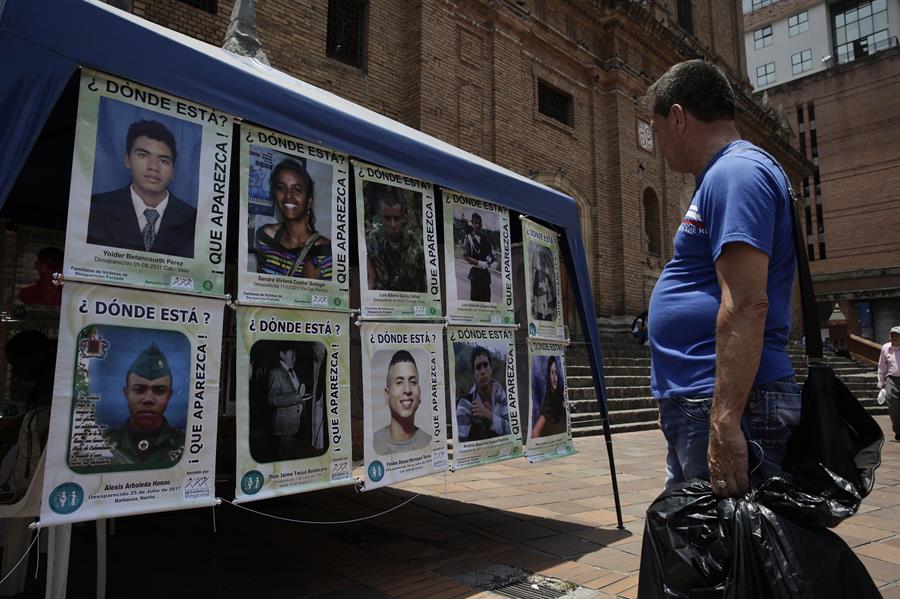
x,y
627,370
861,380
631,405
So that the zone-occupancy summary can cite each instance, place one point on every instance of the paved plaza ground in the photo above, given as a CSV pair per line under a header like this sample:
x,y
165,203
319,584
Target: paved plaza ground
x,y
459,534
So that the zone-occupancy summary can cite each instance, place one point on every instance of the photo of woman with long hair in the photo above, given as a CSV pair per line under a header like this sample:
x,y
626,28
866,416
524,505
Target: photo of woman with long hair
x,y
543,289
292,247
552,410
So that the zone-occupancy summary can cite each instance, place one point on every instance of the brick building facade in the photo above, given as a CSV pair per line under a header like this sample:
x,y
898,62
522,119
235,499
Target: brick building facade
x,y
551,90
853,225
833,70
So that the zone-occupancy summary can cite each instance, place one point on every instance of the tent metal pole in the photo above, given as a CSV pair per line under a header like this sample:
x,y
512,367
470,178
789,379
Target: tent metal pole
x,y
577,265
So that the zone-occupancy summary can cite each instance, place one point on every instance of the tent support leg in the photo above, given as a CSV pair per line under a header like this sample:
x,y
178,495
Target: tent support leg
x,y
612,464
101,558
60,539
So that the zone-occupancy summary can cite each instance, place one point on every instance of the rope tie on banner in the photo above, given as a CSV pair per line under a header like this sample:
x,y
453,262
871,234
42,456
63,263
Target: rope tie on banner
x,y
37,536
327,522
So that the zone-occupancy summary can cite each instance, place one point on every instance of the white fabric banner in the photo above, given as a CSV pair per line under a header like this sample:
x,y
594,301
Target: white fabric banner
x,y
149,193
403,400
399,266
542,283
486,424
135,402
478,261
293,402
550,429
293,244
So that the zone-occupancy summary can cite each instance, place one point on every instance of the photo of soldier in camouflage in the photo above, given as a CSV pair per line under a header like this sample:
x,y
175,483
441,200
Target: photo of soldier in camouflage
x,y
396,258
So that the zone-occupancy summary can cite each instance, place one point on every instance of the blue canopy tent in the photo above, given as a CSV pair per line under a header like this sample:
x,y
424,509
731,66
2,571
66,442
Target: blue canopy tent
x,y
44,43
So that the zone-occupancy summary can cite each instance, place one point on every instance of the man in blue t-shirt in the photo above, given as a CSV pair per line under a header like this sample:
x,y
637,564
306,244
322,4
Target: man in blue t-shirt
x,y
720,313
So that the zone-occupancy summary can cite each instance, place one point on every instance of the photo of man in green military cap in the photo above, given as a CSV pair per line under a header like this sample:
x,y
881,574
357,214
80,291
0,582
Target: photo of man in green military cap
x,y
146,438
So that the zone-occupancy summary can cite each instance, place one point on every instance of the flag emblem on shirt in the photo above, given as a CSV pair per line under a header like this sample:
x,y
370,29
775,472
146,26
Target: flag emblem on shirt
x,y
693,222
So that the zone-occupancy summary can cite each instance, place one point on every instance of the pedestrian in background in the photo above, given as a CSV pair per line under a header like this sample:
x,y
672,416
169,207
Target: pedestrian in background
x,y
889,378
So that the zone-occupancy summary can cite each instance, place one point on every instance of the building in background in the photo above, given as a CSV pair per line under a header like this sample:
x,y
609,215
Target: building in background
x,y
832,69
549,89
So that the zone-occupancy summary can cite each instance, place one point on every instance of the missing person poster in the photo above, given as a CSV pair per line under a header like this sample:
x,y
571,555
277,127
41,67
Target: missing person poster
x,y
293,402
542,285
399,267
294,236
550,430
135,401
478,259
39,254
149,191
486,424
403,400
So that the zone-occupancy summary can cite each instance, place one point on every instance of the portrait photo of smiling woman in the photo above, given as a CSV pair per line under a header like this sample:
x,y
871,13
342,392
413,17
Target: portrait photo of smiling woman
x,y
292,246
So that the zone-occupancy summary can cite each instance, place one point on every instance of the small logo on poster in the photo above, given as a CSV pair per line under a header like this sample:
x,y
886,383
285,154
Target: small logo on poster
x,y
340,470
66,498
252,482
181,283
94,346
196,487
376,471
439,459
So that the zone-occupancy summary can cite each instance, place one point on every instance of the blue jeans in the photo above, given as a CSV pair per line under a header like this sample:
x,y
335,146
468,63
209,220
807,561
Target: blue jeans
x,y
771,413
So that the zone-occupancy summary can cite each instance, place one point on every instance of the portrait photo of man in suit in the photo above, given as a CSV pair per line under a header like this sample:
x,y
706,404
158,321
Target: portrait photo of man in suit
x,y
287,400
289,397
145,215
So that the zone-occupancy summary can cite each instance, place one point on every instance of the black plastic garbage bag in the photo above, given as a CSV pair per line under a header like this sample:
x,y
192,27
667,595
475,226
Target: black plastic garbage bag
x,y
836,447
699,546
684,553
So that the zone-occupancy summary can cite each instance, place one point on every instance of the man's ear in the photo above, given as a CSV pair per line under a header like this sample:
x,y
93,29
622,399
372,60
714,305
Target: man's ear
x,y
679,117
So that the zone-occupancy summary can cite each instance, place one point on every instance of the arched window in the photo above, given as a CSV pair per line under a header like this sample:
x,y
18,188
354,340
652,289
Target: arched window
x,y
652,241
559,182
